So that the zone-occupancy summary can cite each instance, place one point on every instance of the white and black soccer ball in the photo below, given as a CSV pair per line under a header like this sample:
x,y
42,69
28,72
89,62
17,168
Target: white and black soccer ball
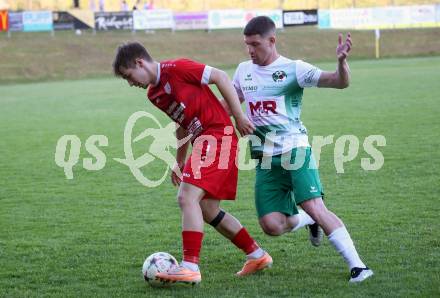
x,y
157,262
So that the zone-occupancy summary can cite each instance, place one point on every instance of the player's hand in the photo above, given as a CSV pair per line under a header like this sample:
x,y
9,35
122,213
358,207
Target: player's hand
x,y
244,125
176,175
343,49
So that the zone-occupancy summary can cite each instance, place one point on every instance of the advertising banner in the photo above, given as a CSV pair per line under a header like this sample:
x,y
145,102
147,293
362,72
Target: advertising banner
x,y
15,21
238,18
379,17
114,20
191,21
437,14
350,18
423,15
62,20
324,19
37,21
300,17
4,23
389,17
226,19
275,14
153,19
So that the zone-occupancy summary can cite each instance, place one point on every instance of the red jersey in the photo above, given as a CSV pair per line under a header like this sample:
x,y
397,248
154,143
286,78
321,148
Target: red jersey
x,y
182,92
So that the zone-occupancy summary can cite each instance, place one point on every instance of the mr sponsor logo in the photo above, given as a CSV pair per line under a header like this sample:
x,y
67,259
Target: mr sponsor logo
x,y
263,108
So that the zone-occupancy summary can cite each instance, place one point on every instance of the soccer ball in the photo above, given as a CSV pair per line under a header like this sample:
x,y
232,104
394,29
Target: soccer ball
x,y
157,262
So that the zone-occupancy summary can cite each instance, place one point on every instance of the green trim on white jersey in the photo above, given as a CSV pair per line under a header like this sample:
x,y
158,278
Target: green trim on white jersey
x,y
273,96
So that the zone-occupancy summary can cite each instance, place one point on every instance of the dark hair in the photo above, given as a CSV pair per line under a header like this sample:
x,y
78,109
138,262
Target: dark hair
x,y
127,54
261,25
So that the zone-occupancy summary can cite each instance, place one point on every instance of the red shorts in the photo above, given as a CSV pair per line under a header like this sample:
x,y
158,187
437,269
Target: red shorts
x,y
212,166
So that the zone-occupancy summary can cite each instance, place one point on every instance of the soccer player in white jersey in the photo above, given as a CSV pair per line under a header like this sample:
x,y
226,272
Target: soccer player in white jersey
x,y
286,175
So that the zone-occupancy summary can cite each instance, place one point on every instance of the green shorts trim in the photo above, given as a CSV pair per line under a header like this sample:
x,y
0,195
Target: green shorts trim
x,y
282,183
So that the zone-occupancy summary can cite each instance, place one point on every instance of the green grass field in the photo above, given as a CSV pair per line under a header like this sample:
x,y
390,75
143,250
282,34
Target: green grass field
x,y
39,56
89,236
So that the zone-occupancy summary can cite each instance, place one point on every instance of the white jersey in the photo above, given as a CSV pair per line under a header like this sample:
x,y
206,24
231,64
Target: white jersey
x,y
273,96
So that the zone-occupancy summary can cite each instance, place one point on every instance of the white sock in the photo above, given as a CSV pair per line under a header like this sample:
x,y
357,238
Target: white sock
x,y
343,244
258,253
303,220
190,266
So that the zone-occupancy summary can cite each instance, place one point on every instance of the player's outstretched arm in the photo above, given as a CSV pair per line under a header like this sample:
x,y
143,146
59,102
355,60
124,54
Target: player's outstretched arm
x,y
339,79
224,85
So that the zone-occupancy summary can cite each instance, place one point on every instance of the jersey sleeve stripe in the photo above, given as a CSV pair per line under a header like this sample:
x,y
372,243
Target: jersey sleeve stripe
x,y
206,75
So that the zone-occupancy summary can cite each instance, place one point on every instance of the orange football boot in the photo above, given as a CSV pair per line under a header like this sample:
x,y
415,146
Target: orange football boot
x,y
180,275
253,265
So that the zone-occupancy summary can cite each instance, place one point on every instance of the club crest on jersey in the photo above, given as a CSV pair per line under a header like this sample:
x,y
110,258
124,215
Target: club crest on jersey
x,y
279,76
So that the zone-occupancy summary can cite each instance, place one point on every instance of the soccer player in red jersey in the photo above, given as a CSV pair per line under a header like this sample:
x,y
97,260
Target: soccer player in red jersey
x,y
180,89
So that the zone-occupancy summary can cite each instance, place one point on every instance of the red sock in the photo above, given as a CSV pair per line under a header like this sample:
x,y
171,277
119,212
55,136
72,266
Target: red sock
x,y
192,243
245,242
